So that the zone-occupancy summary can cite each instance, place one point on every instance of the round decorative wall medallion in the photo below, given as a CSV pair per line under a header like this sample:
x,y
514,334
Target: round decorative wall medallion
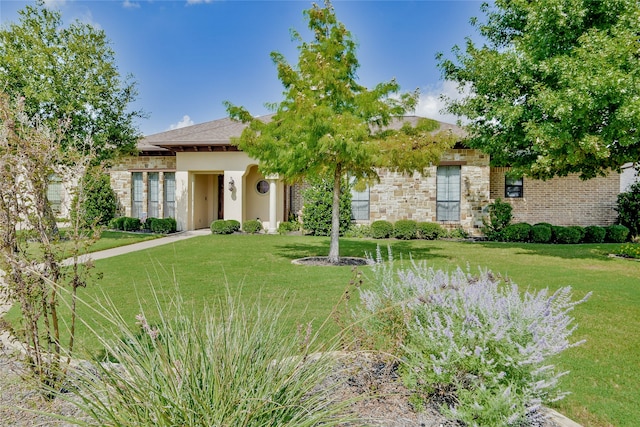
x,y
262,186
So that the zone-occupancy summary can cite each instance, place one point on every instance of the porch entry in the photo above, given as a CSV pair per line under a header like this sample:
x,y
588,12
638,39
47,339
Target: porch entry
x,y
207,199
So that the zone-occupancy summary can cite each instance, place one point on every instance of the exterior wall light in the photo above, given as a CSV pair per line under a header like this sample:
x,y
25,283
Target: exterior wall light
x,y
232,185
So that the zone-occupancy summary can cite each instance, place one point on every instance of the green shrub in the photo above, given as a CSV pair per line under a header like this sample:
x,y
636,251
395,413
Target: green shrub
x,y
541,233
594,234
131,224
457,233
628,207
318,199
288,226
163,225
221,226
616,233
567,235
252,226
226,365
483,347
117,223
499,217
358,230
520,232
430,231
99,202
233,224
381,229
405,229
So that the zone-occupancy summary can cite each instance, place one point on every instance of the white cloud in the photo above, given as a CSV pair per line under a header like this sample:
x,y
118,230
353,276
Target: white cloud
x,y
199,1
432,104
127,4
186,121
54,4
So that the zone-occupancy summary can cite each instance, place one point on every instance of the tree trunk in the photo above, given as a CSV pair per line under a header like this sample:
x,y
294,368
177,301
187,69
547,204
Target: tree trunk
x,y
334,248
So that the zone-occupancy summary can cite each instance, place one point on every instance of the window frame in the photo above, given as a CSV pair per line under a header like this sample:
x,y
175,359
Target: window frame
x,y
513,186
448,207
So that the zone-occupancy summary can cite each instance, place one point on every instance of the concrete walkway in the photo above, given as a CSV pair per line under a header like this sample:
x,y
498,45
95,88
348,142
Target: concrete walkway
x,y
108,253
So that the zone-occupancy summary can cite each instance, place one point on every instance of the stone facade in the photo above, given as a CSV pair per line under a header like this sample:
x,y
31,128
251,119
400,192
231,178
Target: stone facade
x,y
121,179
399,196
561,201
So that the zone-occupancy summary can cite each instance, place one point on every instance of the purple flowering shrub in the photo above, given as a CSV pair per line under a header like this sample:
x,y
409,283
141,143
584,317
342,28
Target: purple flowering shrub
x,y
475,342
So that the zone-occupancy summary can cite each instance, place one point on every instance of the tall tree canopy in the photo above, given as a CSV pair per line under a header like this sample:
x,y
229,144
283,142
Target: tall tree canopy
x,y
68,74
556,87
328,125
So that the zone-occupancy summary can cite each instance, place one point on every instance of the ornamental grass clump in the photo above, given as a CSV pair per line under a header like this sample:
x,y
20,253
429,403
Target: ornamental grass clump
x,y
475,343
229,365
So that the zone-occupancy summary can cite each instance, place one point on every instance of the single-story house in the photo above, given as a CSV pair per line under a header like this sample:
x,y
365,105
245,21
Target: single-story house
x,y
196,175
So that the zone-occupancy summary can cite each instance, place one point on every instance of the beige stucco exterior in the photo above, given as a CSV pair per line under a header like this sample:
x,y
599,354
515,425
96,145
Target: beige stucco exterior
x,y
203,189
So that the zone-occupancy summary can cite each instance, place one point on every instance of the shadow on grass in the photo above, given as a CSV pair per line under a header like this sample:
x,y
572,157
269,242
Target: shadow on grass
x,y
599,251
361,248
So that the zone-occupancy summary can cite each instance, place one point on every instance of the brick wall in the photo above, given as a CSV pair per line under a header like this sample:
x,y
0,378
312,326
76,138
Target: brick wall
x,y
562,201
120,174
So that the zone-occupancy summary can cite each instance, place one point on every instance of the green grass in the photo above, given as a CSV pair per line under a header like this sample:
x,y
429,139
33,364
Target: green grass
x,y
605,373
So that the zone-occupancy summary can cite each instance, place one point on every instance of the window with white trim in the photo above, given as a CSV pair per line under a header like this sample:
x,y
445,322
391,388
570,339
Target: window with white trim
x,y
54,193
153,187
360,202
137,195
448,193
169,195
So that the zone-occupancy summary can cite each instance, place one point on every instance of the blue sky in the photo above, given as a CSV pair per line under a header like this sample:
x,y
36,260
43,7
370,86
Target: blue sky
x,y
188,56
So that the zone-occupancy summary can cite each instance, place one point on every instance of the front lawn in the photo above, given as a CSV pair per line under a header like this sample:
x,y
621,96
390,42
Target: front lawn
x,y
605,372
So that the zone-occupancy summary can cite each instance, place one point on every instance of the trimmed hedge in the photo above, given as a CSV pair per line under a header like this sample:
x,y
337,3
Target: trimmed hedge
x,y
594,234
381,229
131,224
616,233
430,231
288,226
567,235
541,233
233,224
161,225
252,226
405,229
117,223
221,226
519,232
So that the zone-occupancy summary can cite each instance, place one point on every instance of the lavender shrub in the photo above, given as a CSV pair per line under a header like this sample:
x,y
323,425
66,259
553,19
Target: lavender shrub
x,y
476,342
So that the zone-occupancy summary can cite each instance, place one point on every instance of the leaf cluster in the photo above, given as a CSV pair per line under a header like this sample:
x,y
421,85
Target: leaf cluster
x,y
554,88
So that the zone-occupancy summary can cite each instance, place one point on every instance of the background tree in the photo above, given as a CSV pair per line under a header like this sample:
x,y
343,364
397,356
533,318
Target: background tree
x,y
328,125
556,87
68,73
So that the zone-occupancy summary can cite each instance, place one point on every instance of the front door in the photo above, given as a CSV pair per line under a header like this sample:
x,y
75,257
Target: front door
x,y
220,196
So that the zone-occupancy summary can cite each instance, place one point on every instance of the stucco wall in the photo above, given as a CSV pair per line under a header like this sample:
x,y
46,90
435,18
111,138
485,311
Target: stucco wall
x,y
562,201
398,196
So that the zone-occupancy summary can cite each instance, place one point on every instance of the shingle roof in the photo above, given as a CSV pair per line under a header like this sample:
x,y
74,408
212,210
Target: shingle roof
x,y
216,135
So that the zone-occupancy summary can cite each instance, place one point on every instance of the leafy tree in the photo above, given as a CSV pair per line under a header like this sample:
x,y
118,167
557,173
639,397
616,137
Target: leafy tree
x,y
67,73
100,203
628,207
316,215
554,90
328,125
